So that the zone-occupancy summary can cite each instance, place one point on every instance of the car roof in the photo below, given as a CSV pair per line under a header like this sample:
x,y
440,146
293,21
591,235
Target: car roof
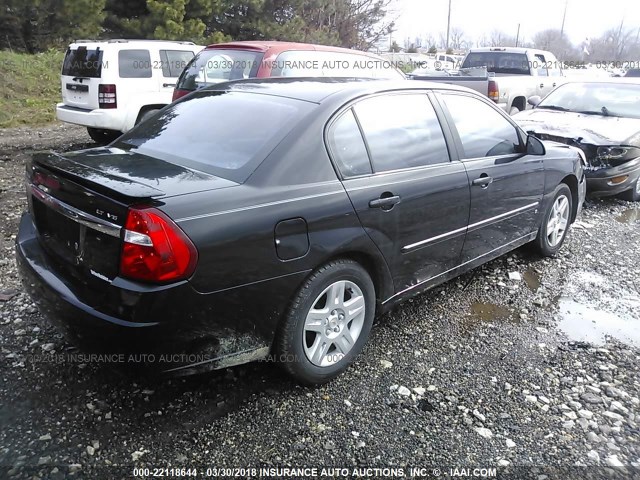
x,y
125,42
273,46
506,50
605,80
319,89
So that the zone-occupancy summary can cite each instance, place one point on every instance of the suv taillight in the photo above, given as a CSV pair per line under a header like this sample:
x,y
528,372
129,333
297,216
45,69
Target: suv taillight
x,y
494,92
107,96
154,248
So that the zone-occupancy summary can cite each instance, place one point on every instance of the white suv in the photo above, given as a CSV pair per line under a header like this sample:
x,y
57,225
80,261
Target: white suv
x,y
110,86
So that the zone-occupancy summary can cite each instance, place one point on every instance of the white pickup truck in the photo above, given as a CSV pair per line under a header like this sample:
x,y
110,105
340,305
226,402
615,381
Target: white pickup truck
x,y
514,75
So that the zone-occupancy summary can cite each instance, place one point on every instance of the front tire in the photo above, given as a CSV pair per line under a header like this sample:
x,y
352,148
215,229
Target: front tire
x,y
514,110
328,323
555,222
102,136
633,194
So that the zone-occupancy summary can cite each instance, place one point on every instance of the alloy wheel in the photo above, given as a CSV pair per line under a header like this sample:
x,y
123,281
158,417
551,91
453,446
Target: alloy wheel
x,y
558,221
334,323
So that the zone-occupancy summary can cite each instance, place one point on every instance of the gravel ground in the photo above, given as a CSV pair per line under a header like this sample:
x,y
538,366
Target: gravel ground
x,y
525,362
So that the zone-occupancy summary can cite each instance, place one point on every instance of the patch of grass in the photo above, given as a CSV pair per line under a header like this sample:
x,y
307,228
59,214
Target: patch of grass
x,y
30,87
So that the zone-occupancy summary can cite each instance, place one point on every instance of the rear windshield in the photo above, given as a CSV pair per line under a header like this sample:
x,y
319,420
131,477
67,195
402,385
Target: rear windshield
x,y
83,62
214,66
222,133
499,62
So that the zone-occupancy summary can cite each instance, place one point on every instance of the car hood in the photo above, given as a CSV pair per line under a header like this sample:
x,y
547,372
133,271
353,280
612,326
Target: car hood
x,y
130,173
591,129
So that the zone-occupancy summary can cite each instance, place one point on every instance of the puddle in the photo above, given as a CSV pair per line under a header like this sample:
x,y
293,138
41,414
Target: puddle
x,y
531,279
486,313
586,324
631,215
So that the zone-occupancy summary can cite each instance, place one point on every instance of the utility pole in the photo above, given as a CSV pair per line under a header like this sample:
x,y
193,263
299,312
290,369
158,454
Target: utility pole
x,y
518,35
564,17
448,26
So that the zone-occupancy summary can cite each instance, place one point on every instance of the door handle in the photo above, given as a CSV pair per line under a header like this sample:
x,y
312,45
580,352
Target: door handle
x,y
542,85
385,202
168,85
553,84
484,181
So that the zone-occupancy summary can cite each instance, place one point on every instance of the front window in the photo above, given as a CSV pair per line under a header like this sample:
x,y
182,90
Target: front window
x,y
222,133
174,61
483,131
606,99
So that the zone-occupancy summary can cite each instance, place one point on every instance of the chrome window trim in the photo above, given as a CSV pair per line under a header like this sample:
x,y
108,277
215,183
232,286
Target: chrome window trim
x,y
72,213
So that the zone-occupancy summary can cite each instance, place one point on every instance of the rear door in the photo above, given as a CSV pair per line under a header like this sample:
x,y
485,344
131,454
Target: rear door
x,y
82,69
412,200
506,185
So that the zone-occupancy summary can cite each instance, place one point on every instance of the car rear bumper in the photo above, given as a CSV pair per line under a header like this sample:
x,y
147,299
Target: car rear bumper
x,y
172,329
601,183
109,119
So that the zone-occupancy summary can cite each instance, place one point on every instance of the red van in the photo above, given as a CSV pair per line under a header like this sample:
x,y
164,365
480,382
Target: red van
x,y
255,59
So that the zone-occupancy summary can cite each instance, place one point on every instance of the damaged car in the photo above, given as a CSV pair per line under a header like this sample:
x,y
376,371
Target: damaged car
x,y
274,219
602,118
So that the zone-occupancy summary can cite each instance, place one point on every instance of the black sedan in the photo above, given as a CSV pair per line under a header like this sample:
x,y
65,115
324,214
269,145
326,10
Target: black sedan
x,y
274,219
601,118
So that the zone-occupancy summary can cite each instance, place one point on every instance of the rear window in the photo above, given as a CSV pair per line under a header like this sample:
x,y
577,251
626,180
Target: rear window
x,y
83,62
310,63
134,64
499,62
214,66
222,133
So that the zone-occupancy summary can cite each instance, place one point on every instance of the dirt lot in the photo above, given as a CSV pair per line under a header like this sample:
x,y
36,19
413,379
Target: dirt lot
x,y
539,369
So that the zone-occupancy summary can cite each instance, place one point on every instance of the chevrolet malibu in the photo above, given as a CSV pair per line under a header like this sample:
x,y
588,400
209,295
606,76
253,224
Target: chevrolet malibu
x,y
274,219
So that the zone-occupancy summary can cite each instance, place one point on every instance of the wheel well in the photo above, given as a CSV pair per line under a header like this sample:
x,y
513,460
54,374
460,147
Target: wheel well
x,y
572,182
520,103
371,266
146,108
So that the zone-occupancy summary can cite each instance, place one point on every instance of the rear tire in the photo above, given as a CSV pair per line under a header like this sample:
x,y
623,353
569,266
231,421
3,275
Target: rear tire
x,y
102,136
555,222
328,323
633,194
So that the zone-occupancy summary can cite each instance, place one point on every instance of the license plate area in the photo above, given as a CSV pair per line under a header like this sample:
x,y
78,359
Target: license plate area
x,y
75,87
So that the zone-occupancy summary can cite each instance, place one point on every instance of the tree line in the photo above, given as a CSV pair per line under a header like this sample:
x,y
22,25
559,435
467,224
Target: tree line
x,y
615,44
37,25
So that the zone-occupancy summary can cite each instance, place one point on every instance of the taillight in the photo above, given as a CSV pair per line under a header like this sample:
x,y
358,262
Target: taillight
x,y
154,248
177,93
107,96
494,92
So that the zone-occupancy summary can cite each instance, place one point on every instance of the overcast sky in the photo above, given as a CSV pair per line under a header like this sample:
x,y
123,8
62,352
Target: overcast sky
x,y
585,18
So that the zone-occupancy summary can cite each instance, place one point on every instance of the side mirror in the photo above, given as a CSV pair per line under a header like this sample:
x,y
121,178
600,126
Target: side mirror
x,y
534,100
535,146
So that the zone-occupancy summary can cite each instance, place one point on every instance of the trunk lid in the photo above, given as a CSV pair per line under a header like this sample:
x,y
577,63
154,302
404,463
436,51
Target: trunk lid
x,y
79,203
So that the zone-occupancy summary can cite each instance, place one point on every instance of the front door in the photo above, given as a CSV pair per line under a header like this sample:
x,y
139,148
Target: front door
x,y
506,185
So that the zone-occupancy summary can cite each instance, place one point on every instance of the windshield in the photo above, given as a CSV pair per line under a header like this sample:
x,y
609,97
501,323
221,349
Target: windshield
x,y
222,133
215,66
82,62
499,62
606,99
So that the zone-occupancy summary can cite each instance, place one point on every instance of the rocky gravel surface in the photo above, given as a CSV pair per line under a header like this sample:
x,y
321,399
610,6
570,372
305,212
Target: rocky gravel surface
x,y
527,365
